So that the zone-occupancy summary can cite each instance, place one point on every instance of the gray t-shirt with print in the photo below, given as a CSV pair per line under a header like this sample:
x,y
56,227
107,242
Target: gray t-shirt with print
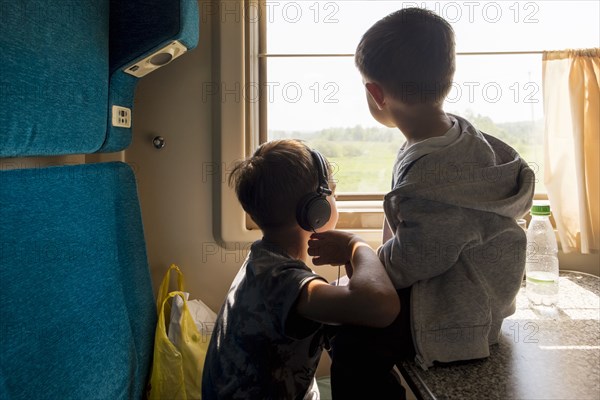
x,y
260,348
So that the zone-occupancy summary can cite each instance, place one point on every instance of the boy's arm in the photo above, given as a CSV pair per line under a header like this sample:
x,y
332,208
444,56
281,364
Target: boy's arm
x,y
428,241
369,299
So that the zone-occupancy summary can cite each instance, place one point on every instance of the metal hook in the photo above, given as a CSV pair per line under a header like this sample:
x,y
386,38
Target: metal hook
x,y
158,142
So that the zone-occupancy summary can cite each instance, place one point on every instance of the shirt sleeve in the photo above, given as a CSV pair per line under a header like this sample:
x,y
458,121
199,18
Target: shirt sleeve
x,y
281,287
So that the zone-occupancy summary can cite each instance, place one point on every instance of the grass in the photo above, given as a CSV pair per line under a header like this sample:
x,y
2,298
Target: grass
x,y
368,172
369,169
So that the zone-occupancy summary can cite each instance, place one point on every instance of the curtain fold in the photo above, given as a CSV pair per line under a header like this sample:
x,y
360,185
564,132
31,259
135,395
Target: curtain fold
x,y
571,88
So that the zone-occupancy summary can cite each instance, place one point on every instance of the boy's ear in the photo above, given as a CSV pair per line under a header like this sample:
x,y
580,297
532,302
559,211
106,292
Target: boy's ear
x,y
376,93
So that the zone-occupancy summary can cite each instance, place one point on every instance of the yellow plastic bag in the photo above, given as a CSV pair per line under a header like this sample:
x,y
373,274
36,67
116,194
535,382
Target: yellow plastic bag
x,y
176,372
163,289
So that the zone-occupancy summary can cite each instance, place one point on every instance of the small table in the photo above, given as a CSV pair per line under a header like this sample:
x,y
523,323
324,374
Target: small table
x,y
540,355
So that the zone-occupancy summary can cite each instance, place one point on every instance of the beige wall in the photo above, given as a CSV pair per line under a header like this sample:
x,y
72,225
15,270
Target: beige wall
x,y
175,197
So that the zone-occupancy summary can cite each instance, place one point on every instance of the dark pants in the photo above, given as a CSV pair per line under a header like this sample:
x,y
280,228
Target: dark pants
x,y
363,358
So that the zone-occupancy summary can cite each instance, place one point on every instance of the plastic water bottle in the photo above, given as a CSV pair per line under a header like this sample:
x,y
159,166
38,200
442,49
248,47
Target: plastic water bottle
x,y
541,269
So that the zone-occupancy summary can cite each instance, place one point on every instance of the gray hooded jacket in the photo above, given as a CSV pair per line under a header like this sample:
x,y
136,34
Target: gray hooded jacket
x,y
452,213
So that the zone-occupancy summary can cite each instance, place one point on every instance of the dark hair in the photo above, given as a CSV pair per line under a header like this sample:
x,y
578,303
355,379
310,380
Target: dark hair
x,y
411,54
271,182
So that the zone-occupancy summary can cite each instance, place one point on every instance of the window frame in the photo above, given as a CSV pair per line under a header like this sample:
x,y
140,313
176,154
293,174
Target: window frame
x,y
231,122
236,124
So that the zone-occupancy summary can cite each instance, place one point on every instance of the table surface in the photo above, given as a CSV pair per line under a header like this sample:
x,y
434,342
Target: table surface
x,y
540,355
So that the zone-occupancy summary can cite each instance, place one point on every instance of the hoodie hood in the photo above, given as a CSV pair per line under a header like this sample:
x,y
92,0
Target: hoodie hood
x,y
465,168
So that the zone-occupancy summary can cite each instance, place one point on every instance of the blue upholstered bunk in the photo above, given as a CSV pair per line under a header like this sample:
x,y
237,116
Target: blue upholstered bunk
x,y
77,313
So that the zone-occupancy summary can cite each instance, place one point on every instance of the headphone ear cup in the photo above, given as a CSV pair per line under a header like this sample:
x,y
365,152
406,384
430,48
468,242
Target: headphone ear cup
x,y
313,212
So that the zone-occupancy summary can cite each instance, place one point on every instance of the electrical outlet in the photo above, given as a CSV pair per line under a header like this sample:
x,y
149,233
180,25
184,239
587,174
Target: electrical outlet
x,y
121,117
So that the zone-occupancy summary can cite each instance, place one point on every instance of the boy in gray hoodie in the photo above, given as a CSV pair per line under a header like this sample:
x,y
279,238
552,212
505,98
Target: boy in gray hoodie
x,y
451,247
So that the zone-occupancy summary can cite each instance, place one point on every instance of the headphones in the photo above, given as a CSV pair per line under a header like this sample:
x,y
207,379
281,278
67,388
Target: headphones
x,y
313,210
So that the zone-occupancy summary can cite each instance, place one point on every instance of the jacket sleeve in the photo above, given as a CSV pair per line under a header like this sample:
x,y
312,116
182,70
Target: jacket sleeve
x,y
427,241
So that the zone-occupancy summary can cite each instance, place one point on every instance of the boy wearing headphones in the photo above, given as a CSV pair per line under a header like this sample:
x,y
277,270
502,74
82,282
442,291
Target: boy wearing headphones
x,y
268,337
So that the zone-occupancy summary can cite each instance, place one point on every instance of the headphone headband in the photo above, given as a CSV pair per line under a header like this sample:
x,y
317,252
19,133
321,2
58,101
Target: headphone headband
x,y
322,173
313,211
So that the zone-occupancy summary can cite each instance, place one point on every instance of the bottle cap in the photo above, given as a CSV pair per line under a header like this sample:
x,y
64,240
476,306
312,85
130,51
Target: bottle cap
x,y
540,209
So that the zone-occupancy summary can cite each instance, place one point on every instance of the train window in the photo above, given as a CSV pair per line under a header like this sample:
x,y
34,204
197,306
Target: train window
x,y
314,92
300,81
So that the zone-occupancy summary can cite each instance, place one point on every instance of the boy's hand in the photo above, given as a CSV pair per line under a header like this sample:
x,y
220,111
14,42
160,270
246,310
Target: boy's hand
x,y
332,247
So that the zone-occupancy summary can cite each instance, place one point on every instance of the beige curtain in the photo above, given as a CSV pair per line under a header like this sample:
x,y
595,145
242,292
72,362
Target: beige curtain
x,y
571,81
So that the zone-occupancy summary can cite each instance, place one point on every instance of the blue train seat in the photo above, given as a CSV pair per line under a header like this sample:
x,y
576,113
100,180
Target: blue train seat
x,y
77,312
